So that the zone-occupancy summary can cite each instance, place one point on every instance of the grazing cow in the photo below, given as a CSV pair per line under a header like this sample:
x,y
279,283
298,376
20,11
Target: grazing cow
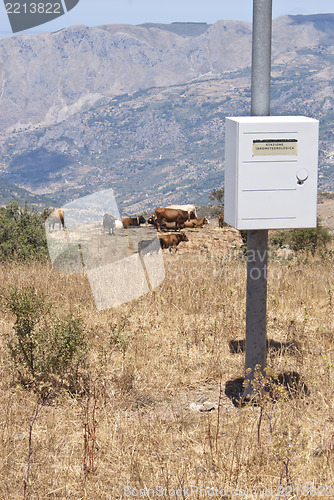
x,y
109,222
133,221
172,240
221,220
170,215
196,222
191,209
56,217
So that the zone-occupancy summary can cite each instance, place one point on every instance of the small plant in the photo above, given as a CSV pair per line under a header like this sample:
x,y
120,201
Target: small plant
x,y
266,390
328,364
89,408
330,292
118,336
43,347
285,450
26,479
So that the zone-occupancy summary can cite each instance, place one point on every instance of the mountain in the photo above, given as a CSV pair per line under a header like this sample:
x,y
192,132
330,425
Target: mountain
x,y
9,192
141,109
59,74
183,29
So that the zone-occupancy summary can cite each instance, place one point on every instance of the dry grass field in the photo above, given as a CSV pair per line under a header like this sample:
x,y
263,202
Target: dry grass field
x,y
154,417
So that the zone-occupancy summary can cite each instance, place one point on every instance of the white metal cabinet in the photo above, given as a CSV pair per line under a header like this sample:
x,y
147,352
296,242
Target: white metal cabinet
x,y
271,172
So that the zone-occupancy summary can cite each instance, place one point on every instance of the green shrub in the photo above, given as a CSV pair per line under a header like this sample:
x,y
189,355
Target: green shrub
x,y
45,349
22,233
278,238
311,239
307,240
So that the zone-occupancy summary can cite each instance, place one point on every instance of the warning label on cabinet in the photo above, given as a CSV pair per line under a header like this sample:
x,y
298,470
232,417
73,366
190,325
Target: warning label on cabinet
x,y
275,147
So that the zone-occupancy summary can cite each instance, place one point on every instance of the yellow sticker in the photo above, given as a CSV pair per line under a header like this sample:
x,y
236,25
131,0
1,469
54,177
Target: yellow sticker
x,y
275,147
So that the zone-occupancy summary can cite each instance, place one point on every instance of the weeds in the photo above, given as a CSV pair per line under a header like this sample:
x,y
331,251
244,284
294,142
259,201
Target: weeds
x,y
89,408
330,292
266,391
26,479
119,338
44,348
286,447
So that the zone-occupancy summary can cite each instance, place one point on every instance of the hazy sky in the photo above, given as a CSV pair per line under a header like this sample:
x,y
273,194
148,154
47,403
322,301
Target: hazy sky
x,y
95,12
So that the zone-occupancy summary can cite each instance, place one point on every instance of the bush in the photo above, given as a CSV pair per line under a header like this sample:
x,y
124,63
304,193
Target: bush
x,y
278,238
22,233
308,240
45,349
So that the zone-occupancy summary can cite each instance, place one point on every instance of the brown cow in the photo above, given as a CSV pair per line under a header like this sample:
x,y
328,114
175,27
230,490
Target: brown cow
x,y
133,221
191,209
221,220
172,240
196,222
163,226
56,217
171,215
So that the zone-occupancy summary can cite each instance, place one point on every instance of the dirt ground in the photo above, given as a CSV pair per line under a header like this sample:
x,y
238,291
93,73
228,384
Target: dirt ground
x,y
210,238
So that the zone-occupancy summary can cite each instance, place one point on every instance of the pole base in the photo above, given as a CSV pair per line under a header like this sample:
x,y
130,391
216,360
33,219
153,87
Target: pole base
x,y
290,381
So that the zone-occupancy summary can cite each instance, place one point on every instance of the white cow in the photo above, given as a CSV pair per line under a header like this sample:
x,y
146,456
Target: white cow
x,y
56,217
118,224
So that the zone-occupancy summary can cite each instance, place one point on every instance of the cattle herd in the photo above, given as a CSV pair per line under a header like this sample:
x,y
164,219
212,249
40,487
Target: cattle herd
x,y
164,218
174,217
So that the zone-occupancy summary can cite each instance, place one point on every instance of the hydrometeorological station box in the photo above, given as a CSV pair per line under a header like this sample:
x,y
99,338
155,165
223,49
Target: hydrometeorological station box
x,y
271,165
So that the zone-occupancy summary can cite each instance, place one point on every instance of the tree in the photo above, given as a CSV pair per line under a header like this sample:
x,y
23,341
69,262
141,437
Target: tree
x,y
218,196
22,233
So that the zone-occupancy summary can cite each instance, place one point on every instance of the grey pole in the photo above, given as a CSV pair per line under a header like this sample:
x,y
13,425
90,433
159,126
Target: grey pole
x,y
261,57
257,240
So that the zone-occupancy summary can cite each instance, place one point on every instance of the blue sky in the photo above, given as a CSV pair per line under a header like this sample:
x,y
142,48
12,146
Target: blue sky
x,y
95,12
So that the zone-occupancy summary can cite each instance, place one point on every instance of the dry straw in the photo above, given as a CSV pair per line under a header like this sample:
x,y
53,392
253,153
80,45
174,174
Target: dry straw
x,y
150,359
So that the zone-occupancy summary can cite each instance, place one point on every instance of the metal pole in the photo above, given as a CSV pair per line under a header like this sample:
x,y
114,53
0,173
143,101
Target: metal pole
x,y
261,57
257,240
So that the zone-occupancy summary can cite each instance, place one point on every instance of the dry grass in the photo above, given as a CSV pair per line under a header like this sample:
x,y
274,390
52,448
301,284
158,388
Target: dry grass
x,y
150,359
